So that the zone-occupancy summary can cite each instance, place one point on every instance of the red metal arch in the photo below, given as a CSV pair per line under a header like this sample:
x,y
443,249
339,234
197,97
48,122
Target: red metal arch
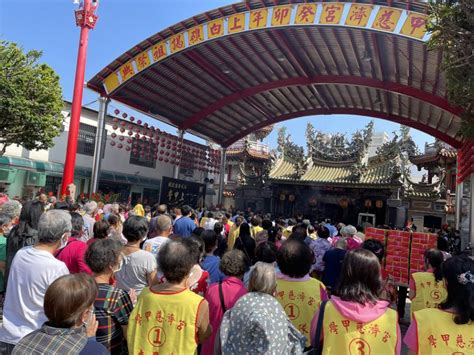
x,y
350,111
325,79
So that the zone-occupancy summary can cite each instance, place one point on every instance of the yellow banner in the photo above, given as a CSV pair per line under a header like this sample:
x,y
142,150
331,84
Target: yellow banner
x,y
415,25
331,14
127,71
236,23
358,15
258,18
281,15
215,28
196,35
111,82
387,19
159,51
142,60
305,14
177,43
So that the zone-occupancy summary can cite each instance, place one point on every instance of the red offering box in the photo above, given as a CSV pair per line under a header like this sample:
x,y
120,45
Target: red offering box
x,y
398,254
420,242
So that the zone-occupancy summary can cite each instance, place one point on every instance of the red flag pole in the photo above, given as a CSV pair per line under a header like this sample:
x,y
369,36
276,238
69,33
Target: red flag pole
x,y
86,19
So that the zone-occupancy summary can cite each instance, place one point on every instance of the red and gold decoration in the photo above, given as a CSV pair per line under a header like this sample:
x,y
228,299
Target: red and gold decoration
x,y
149,142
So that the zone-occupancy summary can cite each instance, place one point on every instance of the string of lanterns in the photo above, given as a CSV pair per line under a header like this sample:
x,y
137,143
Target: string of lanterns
x,y
145,141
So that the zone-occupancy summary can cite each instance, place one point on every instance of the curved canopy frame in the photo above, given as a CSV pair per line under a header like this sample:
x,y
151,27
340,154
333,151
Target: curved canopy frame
x,y
227,72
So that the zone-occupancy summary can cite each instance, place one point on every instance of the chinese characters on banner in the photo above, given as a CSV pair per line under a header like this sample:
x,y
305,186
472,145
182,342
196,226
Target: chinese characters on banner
x,y
236,23
332,13
177,43
281,15
127,71
305,14
258,19
196,35
142,61
387,19
415,25
215,28
159,51
358,15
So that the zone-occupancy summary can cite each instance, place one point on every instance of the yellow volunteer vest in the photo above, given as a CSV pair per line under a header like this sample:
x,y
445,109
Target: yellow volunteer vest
x,y
164,323
300,300
437,333
233,235
346,336
254,230
429,293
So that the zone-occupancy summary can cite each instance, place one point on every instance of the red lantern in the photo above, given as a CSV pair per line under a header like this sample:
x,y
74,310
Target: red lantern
x,y
145,125
124,115
120,146
127,148
116,111
115,120
112,143
139,122
130,133
137,136
166,160
123,123
114,127
122,129
132,118
121,138
160,158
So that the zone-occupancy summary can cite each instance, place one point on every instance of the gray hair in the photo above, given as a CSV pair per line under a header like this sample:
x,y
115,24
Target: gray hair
x,y
52,225
90,207
163,223
348,230
11,208
262,278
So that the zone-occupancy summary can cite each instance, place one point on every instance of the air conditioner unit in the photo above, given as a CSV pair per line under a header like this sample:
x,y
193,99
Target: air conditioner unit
x,y
7,176
35,179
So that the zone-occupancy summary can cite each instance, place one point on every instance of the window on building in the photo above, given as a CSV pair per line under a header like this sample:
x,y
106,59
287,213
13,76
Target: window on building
x,y
86,140
138,158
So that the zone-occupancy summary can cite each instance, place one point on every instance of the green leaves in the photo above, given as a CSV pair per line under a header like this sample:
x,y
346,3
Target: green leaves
x,y
30,100
452,24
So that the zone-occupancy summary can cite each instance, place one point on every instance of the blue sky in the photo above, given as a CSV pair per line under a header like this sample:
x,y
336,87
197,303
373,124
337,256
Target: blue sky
x,y
49,25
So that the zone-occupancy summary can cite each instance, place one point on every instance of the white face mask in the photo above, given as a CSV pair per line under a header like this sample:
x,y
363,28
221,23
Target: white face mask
x,y
64,240
119,267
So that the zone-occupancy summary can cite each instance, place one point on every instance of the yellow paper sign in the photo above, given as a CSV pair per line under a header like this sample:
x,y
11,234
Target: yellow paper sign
x,y
236,23
215,28
111,82
358,15
415,25
159,51
142,60
127,71
387,19
258,18
281,15
305,14
195,35
177,43
331,14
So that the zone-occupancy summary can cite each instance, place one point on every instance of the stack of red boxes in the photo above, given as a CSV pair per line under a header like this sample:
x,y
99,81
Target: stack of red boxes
x,y
419,243
398,255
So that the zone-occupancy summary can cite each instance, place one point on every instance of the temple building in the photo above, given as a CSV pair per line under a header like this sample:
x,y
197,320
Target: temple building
x,y
362,178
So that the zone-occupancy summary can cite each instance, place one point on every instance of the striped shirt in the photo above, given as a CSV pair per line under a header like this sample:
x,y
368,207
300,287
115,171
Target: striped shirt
x,y
112,309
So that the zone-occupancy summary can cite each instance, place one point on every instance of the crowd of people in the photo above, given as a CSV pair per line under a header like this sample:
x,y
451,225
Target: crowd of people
x,y
89,278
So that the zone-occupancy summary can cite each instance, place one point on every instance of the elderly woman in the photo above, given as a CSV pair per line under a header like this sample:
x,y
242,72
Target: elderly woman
x,y
71,325
257,324
112,305
223,295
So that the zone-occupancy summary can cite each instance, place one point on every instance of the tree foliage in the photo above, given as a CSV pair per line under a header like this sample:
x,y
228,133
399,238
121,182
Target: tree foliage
x,y
30,100
451,22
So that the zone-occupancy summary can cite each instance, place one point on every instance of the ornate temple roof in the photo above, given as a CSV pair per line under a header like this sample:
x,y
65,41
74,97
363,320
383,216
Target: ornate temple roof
x,y
334,160
435,154
376,175
253,150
